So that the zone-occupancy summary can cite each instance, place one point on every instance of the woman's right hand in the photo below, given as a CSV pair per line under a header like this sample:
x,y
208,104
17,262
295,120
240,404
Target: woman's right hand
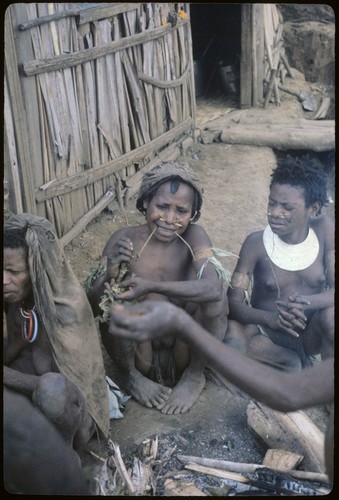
x,y
122,252
276,321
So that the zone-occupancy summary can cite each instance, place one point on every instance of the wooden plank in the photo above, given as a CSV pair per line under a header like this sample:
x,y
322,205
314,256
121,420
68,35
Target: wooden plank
x,y
281,459
260,49
292,431
249,468
181,488
105,11
90,176
87,218
246,57
217,472
31,68
322,139
82,16
19,117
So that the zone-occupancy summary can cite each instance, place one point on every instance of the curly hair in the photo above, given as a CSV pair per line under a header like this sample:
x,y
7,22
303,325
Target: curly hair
x,y
302,171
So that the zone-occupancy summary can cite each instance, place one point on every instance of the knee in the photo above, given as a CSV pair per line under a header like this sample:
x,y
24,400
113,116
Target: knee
x,y
326,321
56,396
50,394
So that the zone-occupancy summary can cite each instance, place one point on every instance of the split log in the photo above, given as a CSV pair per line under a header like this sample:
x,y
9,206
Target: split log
x,y
293,431
217,472
323,109
250,468
182,489
281,137
281,459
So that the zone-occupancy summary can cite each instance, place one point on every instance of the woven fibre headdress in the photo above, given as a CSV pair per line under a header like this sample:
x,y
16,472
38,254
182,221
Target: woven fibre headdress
x,y
164,172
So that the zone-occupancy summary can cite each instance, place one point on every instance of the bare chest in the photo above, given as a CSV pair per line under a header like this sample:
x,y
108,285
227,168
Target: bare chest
x,y
163,263
270,278
33,357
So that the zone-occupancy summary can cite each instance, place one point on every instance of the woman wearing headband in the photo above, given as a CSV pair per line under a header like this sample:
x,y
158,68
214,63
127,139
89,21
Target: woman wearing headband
x,y
170,258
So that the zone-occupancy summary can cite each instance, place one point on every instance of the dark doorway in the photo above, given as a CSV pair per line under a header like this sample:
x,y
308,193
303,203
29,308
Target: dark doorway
x,y
216,39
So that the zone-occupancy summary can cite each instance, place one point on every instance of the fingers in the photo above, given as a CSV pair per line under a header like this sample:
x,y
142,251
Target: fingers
x,y
286,327
295,297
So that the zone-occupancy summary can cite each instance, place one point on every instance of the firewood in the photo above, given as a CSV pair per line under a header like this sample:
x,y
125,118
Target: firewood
x,y
293,431
182,489
217,472
269,135
323,109
249,468
281,459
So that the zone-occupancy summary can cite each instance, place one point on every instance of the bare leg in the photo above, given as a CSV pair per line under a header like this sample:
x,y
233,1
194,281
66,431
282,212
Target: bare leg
x,y
133,365
36,459
213,316
319,334
251,342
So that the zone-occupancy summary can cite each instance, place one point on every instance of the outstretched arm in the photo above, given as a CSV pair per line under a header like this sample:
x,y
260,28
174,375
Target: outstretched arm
x,y
279,390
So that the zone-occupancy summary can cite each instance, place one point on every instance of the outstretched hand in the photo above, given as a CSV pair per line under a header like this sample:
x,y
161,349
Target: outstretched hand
x,y
143,321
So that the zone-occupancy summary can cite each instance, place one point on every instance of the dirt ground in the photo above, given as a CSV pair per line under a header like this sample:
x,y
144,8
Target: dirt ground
x,y
235,180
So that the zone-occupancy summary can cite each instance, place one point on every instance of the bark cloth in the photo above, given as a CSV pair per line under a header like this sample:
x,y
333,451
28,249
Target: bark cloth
x,y
66,314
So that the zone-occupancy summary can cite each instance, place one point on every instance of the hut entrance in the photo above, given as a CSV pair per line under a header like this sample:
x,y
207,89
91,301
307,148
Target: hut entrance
x,y
216,39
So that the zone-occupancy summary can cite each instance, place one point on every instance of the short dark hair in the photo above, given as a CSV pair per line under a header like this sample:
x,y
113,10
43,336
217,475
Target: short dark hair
x,y
15,238
302,171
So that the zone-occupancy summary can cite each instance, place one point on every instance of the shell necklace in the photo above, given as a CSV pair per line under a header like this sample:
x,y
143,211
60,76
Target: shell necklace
x,y
291,257
29,324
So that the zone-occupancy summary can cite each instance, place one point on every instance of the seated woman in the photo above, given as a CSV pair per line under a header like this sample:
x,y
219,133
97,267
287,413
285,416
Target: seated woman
x,y
289,315
171,259
52,352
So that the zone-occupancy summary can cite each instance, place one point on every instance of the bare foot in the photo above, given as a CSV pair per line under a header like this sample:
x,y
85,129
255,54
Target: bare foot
x,y
147,392
184,394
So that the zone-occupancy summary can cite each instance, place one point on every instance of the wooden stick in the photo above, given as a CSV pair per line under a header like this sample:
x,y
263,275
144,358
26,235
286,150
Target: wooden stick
x,y
250,468
217,472
119,463
87,218
270,87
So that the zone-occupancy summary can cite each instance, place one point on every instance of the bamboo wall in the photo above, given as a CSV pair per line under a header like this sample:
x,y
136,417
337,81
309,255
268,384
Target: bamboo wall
x,y
93,97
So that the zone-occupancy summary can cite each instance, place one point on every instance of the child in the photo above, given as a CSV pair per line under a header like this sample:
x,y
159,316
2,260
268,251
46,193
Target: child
x,y
169,258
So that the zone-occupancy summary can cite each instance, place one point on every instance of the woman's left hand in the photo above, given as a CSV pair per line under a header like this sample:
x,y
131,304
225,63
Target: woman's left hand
x,y
292,311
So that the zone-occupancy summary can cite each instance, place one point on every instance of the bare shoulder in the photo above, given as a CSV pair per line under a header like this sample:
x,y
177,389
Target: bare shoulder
x,y
253,240
324,228
324,223
196,236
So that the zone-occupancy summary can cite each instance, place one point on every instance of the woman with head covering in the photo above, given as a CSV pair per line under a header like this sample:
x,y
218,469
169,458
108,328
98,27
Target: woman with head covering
x,y
168,258
52,352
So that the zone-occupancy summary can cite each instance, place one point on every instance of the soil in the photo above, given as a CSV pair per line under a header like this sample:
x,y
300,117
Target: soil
x,y
235,180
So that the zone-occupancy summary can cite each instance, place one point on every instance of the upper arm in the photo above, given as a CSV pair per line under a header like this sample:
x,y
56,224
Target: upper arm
x,y
325,229
249,253
200,245
243,272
